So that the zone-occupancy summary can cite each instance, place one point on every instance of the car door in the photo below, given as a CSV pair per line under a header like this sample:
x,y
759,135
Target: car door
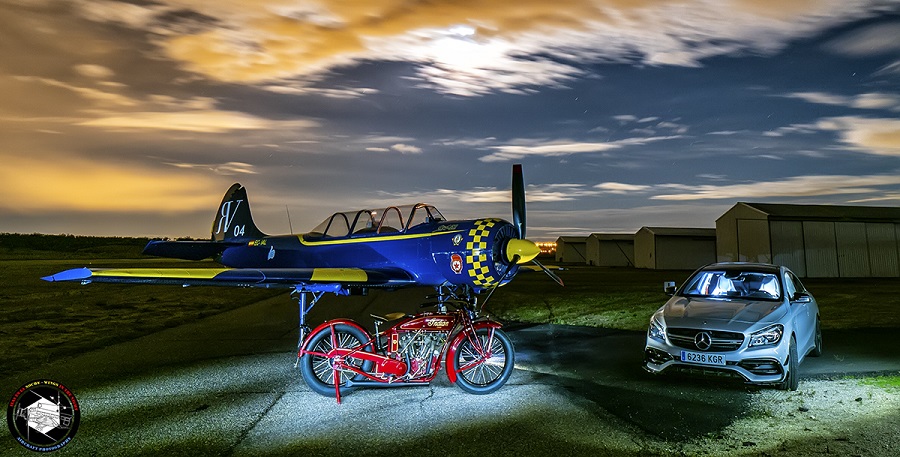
x,y
801,314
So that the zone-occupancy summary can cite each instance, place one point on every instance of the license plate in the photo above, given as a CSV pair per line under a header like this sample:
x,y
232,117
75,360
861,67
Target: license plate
x,y
705,359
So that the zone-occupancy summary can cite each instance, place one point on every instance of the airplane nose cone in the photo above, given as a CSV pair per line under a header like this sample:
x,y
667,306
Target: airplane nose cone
x,y
524,249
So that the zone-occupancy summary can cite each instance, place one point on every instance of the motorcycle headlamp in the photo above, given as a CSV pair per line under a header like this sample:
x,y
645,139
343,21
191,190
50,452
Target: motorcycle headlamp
x,y
766,336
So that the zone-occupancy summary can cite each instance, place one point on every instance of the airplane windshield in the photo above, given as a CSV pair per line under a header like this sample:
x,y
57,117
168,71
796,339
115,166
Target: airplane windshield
x,y
387,220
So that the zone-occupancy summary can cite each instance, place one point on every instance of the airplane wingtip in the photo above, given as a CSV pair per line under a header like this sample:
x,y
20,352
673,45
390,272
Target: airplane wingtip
x,y
75,274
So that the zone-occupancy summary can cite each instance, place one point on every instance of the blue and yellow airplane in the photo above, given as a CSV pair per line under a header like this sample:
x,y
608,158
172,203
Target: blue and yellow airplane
x,y
348,253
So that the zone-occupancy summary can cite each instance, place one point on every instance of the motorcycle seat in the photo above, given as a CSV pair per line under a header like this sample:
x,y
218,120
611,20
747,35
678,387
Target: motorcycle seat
x,y
389,317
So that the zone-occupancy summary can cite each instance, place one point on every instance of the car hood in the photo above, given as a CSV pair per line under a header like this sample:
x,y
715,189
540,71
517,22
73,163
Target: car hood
x,y
724,314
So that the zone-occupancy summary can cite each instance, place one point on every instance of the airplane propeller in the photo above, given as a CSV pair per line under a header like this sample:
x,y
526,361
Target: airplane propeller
x,y
521,250
518,200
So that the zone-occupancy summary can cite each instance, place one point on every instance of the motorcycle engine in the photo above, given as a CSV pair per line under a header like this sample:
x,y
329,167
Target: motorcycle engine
x,y
420,348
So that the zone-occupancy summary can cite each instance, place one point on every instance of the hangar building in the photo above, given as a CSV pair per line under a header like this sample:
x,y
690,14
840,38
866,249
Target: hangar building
x,y
571,249
667,248
610,249
818,241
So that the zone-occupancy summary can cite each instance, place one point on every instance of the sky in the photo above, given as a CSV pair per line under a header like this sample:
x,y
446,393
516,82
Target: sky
x,y
132,118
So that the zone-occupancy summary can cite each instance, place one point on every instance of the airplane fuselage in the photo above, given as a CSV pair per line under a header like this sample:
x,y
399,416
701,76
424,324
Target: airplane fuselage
x,y
456,252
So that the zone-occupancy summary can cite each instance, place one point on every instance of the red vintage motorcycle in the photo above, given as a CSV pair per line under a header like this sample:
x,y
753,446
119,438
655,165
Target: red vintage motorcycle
x,y
340,355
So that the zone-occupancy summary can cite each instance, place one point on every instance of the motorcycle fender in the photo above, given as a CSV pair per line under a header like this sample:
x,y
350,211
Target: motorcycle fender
x,y
326,324
457,340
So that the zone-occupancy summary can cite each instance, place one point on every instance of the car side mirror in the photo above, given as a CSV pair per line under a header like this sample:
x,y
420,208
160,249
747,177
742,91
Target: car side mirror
x,y
669,288
800,297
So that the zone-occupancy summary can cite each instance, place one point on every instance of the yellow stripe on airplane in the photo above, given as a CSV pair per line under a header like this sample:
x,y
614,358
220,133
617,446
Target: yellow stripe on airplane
x,y
372,239
175,273
339,275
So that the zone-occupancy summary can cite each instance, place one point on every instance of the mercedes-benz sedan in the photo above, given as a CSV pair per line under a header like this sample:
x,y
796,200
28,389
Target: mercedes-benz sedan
x,y
756,321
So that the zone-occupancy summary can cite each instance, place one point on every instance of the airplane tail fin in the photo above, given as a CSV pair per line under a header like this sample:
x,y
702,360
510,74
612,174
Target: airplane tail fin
x,y
233,220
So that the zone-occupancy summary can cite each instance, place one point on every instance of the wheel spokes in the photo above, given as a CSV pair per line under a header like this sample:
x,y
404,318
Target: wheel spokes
x,y
476,367
323,366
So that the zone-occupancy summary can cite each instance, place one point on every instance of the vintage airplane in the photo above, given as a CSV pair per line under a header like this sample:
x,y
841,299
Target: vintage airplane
x,y
348,253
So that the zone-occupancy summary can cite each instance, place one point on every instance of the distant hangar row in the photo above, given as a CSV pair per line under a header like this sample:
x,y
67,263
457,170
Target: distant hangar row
x,y
817,241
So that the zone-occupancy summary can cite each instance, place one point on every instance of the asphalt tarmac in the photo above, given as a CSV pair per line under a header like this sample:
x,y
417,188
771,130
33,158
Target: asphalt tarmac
x,y
226,385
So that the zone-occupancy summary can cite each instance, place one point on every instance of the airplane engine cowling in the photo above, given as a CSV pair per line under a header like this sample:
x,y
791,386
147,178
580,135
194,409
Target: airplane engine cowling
x,y
476,254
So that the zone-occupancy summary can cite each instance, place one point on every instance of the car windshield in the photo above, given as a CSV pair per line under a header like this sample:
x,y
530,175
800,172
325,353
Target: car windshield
x,y
734,284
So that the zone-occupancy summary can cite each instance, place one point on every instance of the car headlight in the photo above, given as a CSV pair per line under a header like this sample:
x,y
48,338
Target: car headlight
x,y
769,335
656,330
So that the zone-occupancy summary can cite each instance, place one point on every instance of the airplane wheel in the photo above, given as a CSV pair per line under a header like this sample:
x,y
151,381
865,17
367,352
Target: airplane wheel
x,y
317,370
490,374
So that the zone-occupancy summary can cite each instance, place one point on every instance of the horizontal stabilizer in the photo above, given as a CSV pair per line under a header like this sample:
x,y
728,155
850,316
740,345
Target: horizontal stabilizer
x,y
186,250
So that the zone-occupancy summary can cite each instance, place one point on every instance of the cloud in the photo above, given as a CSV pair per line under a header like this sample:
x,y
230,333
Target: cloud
x,y
94,71
554,148
228,168
867,135
100,98
75,184
391,143
877,136
889,196
464,50
111,110
621,188
406,149
200,121
798,186
543,193
870,100
873,40
345,93
892,69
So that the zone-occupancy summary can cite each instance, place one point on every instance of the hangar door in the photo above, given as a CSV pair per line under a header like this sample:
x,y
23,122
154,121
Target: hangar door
x,y
821,249
883,256
753,241
852,250
787,245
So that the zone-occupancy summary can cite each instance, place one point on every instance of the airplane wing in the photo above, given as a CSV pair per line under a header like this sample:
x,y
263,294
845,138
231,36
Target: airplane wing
x,y
240,277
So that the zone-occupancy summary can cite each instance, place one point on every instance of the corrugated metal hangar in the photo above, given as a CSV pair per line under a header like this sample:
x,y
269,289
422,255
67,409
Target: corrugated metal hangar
x,y
813,240
610,249
571,249
668,248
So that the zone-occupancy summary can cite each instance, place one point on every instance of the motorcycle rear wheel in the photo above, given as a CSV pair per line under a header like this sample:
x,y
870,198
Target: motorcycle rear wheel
x,y
489,375
317,371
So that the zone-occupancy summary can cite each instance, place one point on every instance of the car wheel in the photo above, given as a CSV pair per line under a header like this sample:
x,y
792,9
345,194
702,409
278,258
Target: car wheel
x,y
817,349
791,380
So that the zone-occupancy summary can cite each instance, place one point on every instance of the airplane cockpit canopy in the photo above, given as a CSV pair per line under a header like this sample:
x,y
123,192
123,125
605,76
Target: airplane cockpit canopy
x,y
393,219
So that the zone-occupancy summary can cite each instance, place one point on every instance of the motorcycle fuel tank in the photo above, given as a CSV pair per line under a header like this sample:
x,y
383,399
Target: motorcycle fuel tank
x,y
430,322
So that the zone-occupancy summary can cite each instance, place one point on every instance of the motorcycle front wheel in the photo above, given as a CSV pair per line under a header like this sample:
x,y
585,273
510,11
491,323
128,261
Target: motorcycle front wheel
x,y
489,374
317,369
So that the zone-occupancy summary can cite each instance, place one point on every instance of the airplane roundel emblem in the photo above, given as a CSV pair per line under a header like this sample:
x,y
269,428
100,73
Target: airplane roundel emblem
x,y
456,263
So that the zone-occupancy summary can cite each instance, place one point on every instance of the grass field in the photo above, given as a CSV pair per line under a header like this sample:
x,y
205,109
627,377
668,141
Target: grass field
x,y
47,321
625,298
60,320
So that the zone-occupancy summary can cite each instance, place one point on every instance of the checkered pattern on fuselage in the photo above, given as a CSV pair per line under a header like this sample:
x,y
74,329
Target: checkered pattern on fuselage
x,y
477,255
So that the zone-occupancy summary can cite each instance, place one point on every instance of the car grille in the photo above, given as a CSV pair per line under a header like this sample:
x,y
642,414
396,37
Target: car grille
x,y
721,341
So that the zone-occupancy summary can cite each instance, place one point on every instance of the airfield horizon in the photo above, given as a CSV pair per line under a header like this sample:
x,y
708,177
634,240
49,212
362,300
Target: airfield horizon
x,y
49,321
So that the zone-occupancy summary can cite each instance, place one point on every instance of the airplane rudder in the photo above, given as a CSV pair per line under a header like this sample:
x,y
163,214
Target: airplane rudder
x,y
233,218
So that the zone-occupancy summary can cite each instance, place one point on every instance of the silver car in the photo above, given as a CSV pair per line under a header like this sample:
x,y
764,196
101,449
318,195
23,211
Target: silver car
x,y
756,321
